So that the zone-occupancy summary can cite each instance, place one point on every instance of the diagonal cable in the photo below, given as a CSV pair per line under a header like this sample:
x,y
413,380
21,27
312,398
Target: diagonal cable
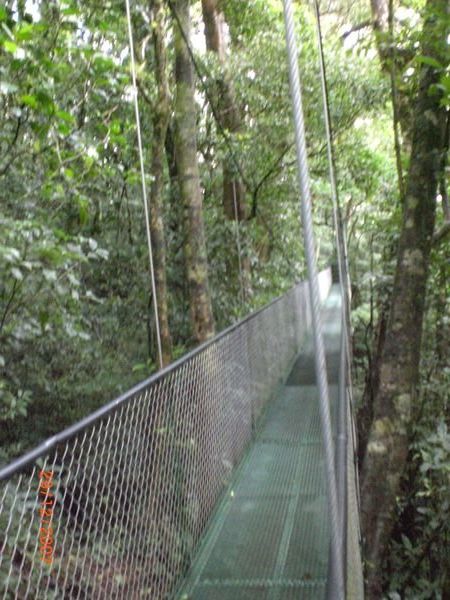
x,y
144,187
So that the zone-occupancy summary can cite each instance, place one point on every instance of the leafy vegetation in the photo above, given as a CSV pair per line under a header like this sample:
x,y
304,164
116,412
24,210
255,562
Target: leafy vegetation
x,y
76,309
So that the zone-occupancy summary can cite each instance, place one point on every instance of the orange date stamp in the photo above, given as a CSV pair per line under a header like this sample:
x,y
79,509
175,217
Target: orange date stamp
x,y
46,508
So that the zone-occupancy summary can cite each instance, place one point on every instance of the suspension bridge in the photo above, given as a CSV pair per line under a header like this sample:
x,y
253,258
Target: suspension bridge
x,y
206,481
229,474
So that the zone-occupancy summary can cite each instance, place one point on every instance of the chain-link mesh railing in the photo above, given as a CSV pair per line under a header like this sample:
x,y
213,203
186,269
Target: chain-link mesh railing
x,y
114,507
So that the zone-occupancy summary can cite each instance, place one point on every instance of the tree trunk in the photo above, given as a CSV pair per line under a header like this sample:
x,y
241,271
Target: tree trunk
x,y
387,448
365,411
161,114
393,60
189,181
229,114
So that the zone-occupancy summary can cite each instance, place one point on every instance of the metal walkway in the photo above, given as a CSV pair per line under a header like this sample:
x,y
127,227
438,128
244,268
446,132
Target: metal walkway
x,y
206,481
269,539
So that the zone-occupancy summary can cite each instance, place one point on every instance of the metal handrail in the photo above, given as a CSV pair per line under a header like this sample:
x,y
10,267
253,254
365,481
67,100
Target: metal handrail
x,y
50,443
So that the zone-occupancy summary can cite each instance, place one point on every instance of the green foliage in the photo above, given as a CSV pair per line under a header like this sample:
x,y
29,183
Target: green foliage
x,y
68,202
74,293
419,558
75,313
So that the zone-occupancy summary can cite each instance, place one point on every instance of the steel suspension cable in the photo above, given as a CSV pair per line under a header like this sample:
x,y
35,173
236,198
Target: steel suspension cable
x,y
345,422
342,438
341,242
330,148
321,371
144,187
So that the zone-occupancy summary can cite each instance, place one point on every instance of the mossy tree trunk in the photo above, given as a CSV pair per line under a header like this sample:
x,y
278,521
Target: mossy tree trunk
x,y
161,115
393,60
189,180
387,447
229,114
231,121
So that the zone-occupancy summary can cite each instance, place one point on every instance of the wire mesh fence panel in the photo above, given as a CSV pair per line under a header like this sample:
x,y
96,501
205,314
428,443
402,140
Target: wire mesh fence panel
x,y
115,506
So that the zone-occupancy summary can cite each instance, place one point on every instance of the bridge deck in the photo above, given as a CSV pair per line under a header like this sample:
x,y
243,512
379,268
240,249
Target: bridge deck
x,y
269,538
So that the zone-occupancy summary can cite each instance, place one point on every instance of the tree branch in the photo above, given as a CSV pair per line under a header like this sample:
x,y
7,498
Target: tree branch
x,y
8,305
263,180
363,25
441,233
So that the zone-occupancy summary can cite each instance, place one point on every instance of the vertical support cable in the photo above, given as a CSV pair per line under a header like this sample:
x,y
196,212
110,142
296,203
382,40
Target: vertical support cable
x,y
342,443
144,187
341,244
342,437
337,583
341,241
330,152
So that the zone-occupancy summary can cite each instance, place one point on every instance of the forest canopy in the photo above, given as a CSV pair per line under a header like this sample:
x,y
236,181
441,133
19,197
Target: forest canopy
x,y
76,304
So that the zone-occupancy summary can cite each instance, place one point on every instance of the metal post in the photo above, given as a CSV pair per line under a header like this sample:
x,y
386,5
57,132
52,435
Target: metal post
x,y
337,583
341,445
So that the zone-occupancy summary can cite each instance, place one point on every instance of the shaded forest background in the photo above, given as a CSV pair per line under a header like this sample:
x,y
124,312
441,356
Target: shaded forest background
x,y
76,310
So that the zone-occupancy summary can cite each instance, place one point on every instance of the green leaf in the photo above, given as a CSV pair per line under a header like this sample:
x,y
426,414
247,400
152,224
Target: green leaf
x,y
407,542
45,101
10,47
3,13
65,116
25,32
428,60
51,255
64,129
44,318
29,100
116,126
444,84
83,210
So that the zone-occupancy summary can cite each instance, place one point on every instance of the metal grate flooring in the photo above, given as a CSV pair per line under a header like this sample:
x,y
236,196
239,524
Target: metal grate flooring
x,y
269,538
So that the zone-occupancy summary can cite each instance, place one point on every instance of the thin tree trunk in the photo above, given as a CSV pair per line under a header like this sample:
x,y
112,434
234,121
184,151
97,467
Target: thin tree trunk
x,y
234,201
189,181
161,114
395,104
392,60
387,448
229,113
